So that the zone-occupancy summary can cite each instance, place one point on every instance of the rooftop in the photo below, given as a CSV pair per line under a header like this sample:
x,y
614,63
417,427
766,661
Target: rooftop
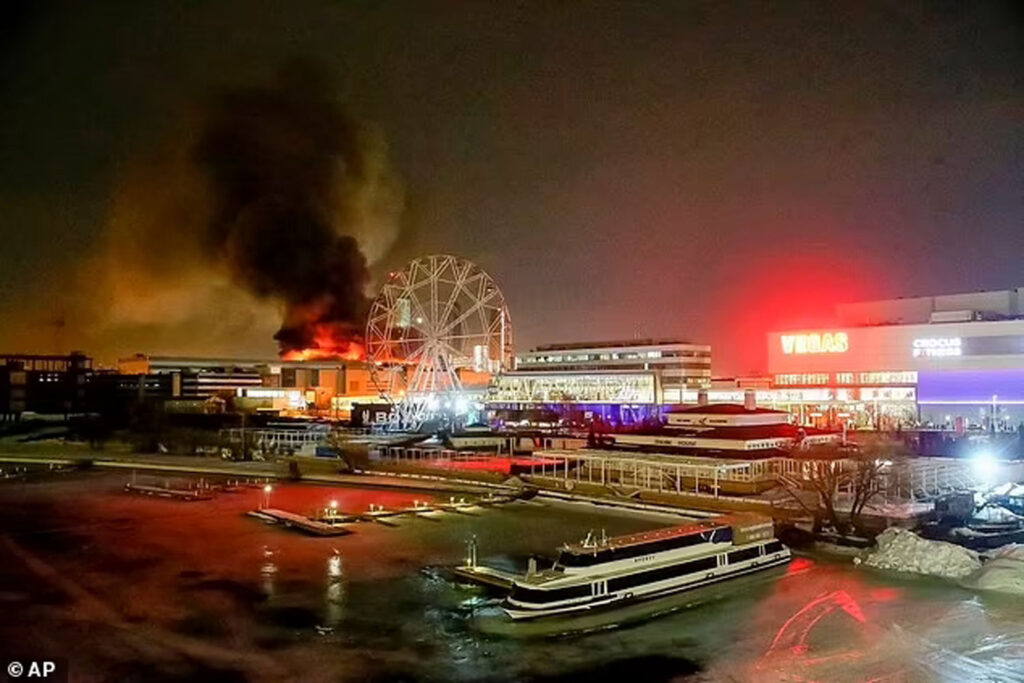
x,y
723,409
220,362
649,536
620,343
737,433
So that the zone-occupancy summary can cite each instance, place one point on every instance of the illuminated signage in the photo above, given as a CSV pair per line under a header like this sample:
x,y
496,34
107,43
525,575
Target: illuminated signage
x,y
803,379
890,377
937,347
887,377
828,342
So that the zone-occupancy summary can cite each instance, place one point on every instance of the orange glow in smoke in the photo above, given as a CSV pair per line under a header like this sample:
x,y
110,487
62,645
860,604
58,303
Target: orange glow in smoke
x,y
330,342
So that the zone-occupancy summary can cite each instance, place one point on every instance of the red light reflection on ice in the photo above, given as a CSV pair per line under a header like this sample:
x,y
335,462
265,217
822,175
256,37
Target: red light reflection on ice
x,y
791,638
799,565
884,594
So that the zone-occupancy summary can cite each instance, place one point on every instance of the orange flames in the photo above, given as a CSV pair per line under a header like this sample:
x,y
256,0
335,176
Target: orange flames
x,y
330,342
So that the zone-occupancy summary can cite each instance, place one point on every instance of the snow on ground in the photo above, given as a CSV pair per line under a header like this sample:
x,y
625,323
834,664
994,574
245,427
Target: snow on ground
x,y
1008,489
903,551
1003,573
900,509
996,513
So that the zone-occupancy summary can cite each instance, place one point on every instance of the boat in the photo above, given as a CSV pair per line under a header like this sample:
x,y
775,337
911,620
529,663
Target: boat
x,y
601,572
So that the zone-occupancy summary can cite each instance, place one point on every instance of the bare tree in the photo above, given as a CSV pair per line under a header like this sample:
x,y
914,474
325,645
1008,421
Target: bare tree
x,y
876,457
831,475
815,487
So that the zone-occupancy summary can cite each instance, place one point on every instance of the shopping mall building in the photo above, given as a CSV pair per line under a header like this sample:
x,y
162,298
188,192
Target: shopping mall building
x,y
952,361
618,381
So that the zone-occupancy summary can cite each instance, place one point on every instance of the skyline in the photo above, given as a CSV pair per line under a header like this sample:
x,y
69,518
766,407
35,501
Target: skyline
x,y
710,171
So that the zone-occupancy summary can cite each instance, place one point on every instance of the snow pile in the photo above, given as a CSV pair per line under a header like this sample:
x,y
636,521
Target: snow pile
x,y
1003,573
903,551
997,514
1007,489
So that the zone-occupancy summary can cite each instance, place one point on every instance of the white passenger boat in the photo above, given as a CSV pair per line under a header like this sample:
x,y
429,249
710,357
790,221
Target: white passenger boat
x,y
600,572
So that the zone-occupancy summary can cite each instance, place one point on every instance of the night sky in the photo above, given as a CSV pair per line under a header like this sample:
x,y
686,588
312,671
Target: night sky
x,y
704,170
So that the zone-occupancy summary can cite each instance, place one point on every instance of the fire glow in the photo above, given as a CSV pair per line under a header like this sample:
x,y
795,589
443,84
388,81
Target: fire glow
x,y
330,342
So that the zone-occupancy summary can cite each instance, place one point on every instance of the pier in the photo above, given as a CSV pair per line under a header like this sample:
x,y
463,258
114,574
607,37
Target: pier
x,y
488,576
167,492
300,522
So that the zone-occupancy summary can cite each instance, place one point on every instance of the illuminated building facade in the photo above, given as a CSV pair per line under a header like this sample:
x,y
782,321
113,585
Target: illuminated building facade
x,y
616,381
950,361
328,387
678,364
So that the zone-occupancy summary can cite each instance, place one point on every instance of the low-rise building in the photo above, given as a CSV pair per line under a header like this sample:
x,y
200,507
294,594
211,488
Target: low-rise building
x,y
45,384
321,386
616,381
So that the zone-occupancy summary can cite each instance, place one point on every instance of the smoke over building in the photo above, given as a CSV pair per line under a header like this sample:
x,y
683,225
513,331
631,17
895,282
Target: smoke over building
x,y
260,216
288,173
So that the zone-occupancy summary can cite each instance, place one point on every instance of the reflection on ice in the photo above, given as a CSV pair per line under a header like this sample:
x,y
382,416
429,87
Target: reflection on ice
x,y
841,625
268,571
334,595
206,571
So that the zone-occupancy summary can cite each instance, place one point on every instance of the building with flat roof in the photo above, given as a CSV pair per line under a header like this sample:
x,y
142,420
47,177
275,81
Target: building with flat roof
x,y
38,383
952,361
617,381
324,386
678,363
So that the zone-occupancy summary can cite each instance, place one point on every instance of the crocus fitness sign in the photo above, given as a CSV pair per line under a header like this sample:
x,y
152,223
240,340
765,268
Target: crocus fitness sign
x,y
814,342
938,347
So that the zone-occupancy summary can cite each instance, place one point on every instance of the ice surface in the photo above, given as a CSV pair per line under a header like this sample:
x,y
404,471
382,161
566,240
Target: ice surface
x,y
1003,573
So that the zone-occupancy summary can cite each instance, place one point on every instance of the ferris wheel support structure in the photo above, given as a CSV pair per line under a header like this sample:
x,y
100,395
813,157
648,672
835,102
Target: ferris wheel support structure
x,y
438,317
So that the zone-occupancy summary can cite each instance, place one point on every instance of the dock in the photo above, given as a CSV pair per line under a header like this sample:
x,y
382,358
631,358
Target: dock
x,y
488,576
304,524
167,492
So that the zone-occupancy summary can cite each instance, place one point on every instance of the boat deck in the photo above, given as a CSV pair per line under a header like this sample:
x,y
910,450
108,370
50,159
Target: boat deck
x,y
650,536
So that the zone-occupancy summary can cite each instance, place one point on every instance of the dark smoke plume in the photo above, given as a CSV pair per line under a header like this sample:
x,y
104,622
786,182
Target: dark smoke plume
x,y
286,171
255,216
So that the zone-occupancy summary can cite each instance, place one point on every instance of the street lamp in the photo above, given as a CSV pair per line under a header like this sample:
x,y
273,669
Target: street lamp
x,y
266,495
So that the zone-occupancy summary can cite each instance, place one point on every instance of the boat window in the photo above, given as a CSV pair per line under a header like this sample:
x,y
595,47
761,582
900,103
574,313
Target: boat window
x,y
744,555
670,572
773,547
566,559
540,595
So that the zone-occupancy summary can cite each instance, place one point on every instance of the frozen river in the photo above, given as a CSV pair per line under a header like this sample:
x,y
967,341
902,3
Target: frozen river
x,y
129,588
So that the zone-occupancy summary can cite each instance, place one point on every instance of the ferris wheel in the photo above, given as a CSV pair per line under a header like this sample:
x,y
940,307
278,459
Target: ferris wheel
x,y
439,317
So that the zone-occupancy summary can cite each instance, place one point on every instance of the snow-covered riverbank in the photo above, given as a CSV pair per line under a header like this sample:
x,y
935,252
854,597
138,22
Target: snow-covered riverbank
x,y
904,551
